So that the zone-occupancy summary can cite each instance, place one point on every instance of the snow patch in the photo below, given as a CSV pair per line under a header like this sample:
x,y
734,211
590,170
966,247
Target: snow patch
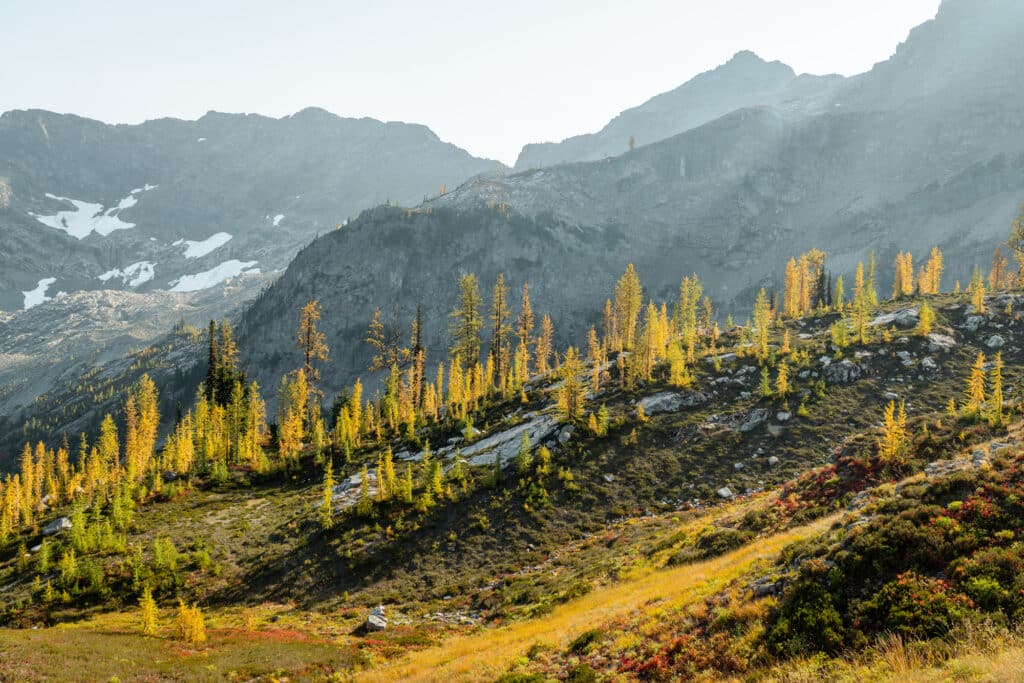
x,y
134,275
204,247
214,276
277,219
88,217
36,296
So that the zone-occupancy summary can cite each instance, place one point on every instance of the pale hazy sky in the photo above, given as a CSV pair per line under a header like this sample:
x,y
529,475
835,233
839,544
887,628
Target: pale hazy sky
x,y
489,76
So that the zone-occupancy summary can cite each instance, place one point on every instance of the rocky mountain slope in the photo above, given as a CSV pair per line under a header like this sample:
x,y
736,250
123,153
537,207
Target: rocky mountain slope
x,y
744,81
76,339
184,205
731,200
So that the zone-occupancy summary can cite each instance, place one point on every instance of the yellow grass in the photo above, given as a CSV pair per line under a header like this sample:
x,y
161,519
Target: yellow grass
x,y
488,653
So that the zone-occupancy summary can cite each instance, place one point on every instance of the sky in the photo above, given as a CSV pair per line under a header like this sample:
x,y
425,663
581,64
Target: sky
x,y
488,76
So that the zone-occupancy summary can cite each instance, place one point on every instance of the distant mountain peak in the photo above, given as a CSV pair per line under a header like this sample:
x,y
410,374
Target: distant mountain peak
x,y
746,80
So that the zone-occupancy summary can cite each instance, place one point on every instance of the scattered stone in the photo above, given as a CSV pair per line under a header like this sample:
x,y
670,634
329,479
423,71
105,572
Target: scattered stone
x,y
825,361
755,418
929,364
783,416
376,621
57,526
773,461
609,477
843,372
995,342
738,466
672,401
904,319
565,434
973,323
724,492
765,587
890,396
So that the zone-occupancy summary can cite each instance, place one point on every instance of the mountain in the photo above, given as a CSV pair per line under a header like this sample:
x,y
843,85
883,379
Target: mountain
x,y
744,81
731,200
184,205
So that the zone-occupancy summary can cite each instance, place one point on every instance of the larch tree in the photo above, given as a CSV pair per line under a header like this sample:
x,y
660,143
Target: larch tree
x,y
997,277
1016,240
386,340
292,402
974,395
312,342
327,496
893,444
762,324
782,380
628,301
467,322
500,330
690,292
524,327
570,394
927,319
933,271
545,345
995,400
977,291
148,612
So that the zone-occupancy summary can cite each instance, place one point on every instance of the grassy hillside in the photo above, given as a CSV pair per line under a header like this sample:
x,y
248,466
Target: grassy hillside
x,y
639,565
